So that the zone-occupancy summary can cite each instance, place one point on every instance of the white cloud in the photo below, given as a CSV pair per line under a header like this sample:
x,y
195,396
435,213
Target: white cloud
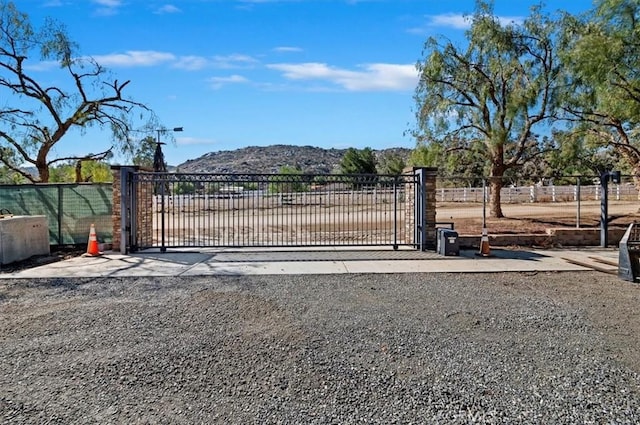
x,y
42,66
457,21
135,58
234,61
107,7
108,3
509,20
449,20
219,82
463,22
287,49
167,8
370,77
191,63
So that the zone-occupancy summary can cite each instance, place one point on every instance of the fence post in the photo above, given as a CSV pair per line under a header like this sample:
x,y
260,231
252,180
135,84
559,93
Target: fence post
x,y
532,193
577,195
484,205
604,210
60,214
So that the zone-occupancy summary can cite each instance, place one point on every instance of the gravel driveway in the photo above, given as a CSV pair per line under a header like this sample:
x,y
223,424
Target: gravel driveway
x,y
541,348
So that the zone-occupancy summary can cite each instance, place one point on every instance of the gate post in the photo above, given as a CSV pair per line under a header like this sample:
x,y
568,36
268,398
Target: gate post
x,y
123,208
421,207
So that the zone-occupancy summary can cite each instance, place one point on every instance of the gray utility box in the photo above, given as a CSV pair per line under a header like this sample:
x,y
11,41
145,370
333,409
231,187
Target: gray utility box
x,y
447,242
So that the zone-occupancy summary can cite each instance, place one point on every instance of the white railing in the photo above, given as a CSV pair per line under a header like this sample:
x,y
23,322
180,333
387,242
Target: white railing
x,y
552,193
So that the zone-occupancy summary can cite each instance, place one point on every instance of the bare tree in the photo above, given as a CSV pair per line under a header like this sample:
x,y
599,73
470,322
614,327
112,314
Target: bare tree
x,y
35,116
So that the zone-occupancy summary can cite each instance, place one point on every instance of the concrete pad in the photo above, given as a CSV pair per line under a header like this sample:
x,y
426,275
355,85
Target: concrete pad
x,y
264,268
118,265
302,261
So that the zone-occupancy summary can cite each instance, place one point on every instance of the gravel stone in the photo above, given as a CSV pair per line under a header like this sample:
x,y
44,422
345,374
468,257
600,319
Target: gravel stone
x,y
508,348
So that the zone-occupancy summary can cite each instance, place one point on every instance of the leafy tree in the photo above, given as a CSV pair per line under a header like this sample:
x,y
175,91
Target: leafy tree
x,y
391,163
87,171
581,154
184,188
34,116
599,51
358,161
145,152
494,92
466,165
289,179
8,176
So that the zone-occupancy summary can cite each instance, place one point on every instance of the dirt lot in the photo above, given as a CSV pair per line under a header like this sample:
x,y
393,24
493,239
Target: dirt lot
x,y
536,218
410,348
367,223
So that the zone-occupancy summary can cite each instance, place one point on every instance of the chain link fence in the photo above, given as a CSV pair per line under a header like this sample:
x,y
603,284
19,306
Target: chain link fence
x,y
70,208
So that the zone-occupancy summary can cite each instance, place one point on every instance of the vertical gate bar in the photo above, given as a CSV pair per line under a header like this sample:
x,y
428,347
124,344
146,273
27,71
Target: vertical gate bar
x,y
175,203
257,211
232,202
197,199
339,216
172,206
174,228
255,206
212,212
219,210
190,218
245,218
395,212
241,236
163,248
280,216
296,211
229,217
224,217
295,234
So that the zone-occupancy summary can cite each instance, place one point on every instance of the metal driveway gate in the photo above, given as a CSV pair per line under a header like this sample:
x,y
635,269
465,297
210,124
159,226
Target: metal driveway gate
x,y
175,210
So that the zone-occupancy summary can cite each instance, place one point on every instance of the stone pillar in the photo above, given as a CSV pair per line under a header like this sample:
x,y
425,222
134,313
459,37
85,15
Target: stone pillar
x,y
116,213
431,175
414,218
143,205
410,191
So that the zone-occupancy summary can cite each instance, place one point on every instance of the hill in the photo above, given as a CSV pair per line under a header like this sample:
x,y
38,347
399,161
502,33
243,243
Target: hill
x,y
269,159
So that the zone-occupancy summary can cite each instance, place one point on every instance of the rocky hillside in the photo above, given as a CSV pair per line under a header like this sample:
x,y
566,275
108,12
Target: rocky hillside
x,y
269,159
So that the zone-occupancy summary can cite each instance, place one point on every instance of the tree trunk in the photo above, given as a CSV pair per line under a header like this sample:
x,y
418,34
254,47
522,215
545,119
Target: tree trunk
x,y
79,172
43,172
495,205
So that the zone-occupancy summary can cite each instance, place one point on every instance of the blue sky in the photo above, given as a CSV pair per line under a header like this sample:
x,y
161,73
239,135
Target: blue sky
x,y
332,73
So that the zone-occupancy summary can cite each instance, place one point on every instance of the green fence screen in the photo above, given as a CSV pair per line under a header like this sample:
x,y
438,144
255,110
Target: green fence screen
x,y
69,208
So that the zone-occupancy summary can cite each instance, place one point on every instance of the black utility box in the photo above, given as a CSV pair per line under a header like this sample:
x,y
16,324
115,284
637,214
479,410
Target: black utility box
x,y
447,242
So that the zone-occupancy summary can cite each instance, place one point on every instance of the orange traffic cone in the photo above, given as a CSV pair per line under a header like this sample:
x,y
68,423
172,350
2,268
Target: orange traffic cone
x,y
92,246
485,250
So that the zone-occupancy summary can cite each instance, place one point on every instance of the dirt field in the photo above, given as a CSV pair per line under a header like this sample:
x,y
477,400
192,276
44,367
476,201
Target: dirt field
x,y
238,222
536,218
